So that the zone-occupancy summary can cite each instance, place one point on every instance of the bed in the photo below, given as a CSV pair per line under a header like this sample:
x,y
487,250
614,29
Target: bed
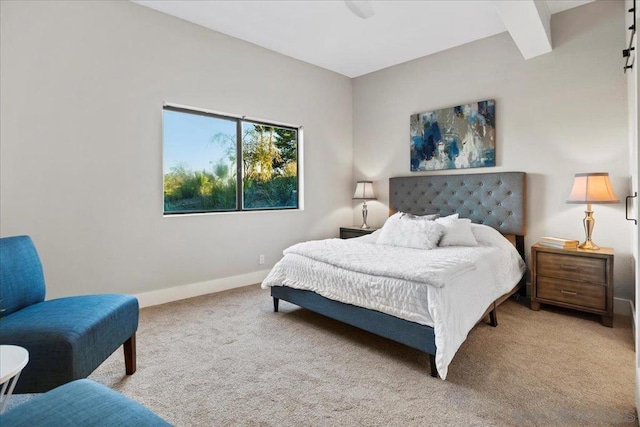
x,y
495,200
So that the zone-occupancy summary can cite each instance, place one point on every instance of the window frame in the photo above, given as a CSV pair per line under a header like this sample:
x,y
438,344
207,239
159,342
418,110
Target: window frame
x,y
239,120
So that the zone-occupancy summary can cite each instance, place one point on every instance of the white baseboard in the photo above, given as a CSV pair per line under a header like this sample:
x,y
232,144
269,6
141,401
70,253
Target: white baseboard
x,y
162,296
638,391
622,306
634,320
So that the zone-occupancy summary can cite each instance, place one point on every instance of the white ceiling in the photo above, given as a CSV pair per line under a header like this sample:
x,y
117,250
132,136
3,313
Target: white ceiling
x,y
325,33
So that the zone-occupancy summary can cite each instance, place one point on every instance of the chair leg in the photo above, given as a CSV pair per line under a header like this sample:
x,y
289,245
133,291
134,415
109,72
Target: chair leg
x,y
130,354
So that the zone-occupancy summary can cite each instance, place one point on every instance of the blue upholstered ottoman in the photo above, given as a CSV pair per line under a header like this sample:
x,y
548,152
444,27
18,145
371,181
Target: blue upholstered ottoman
x,y
81,403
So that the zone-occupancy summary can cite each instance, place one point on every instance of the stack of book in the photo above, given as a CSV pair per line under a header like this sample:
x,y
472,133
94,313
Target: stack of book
x,y
556,242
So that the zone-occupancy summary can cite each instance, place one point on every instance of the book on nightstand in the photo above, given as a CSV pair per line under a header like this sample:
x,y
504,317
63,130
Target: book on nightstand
x,y
556,242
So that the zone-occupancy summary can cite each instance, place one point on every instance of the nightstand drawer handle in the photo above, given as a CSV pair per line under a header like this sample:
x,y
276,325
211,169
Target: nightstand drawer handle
x,y
568,292
568,267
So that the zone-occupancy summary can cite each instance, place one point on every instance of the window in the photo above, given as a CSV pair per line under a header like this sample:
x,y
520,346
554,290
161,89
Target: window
x,y
218,163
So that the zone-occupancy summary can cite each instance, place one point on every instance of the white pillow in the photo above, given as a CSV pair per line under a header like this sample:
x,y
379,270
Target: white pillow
x,y
457,231
416,234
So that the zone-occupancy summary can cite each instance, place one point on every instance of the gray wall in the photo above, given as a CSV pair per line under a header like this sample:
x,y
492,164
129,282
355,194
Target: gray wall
x,y
82,86
558,114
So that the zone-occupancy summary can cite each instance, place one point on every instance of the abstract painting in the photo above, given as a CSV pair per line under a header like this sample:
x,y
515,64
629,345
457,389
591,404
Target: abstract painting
x,y
454,138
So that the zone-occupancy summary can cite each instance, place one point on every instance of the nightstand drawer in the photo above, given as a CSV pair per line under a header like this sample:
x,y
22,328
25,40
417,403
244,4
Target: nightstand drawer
x,y
350,234
582,294
581,269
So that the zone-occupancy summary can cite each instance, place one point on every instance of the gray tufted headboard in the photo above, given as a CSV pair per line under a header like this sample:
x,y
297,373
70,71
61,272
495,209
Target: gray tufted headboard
x,y
495,199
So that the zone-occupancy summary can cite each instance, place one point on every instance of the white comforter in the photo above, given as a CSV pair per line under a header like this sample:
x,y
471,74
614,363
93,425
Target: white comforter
x,y
447,288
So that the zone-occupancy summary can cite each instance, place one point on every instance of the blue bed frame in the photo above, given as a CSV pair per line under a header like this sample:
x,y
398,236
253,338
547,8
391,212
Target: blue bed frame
x,y
494,199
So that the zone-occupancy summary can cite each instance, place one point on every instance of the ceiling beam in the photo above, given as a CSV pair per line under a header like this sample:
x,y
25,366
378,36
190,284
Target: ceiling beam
x,y
529,23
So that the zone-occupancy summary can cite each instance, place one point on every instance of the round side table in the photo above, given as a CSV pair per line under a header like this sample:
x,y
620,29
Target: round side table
x,y
12,360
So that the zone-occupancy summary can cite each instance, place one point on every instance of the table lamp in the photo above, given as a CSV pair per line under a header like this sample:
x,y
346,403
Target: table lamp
x,y
591,188
364,192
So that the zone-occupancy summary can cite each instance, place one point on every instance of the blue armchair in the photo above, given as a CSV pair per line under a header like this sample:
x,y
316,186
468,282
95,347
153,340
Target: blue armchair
x,y
67,338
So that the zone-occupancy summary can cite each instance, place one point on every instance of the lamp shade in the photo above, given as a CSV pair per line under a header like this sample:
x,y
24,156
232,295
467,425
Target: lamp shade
x,y
592,188
364,191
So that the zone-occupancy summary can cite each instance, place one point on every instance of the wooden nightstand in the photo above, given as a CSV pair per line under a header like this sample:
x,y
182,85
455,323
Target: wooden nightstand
x,y
350,232
573,278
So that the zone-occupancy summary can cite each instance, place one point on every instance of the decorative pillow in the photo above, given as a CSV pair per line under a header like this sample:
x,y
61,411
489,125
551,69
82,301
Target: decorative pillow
x,y
456,231
416,234
406,215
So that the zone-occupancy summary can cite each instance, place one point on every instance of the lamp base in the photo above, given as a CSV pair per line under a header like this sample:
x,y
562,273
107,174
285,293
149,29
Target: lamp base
x,y
589,245
589,221
364,225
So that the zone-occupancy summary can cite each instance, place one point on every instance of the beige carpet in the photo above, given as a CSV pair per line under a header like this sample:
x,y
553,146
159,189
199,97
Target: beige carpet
x,y
226,359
